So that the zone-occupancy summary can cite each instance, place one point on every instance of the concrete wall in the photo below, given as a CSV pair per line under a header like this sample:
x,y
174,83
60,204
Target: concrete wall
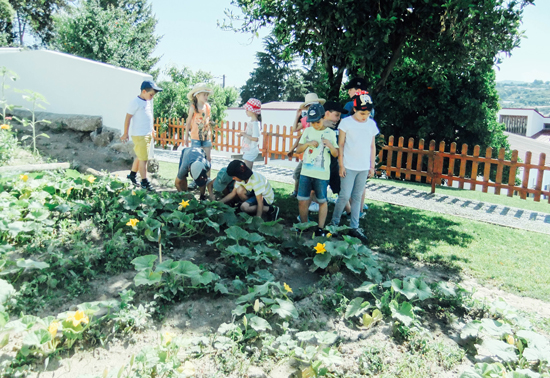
x,y
73,85
535,120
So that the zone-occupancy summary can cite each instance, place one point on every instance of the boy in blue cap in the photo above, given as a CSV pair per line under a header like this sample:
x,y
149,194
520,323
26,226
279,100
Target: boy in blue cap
x,y
140,115
318,144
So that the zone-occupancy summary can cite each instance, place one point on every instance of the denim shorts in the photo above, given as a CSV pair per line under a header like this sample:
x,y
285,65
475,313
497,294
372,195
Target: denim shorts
x,y
253,201
307,184
201,143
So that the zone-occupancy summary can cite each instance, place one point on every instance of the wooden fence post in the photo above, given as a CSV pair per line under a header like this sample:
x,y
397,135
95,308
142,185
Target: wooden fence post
x,y
540,175
523,191
390,156
500,167
420,159
487,169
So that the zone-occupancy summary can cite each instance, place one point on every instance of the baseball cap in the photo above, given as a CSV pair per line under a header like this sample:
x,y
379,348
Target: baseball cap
x,y
199,173
222,180
362,101
315,113
149,84
356,82
335,106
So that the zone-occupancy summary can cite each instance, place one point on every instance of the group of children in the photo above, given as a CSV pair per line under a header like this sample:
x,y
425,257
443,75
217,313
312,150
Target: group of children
x,y
339,153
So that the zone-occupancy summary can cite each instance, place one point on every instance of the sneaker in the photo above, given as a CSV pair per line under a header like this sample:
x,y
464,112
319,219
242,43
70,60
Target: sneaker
x,y
357,233
273,213
203,197
365,207
333,199
314,207
361,215
294,194
146,185
319,232
132,180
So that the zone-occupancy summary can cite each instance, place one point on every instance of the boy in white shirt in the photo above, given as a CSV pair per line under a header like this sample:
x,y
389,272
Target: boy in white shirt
x,y
140,114
357,159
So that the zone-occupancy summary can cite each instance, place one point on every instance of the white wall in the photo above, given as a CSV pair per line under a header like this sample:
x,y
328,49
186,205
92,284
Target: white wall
x,y
535,121
73,85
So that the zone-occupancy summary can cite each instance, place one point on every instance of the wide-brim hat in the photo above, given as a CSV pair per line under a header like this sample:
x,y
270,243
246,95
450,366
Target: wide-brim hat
x,y
312,98
199,88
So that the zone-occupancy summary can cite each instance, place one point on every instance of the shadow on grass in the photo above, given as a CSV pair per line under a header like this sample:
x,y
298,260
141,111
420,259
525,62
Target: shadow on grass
x,y
411,232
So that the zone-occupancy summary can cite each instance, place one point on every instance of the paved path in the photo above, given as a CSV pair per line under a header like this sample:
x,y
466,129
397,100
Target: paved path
x,y
481,211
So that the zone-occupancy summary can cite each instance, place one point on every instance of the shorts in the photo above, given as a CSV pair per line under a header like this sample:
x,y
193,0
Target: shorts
x,y
251,155
334,180
252,201
201,143
307,184
298,171
142,146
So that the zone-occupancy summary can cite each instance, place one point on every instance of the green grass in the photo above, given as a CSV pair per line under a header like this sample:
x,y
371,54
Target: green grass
x,y
514,260
502,199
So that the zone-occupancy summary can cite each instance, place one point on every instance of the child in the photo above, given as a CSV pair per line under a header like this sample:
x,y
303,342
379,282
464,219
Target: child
x,y
355,160
248,181
318,145
198,119
140,113
251,135
193,160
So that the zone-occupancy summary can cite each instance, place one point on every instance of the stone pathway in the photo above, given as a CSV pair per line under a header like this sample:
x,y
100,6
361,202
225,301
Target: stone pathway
x,y
480,211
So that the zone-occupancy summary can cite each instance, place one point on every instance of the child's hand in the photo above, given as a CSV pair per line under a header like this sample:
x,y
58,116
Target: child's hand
x,y
124,138
290,154
327,143
371,172
342,172
314,144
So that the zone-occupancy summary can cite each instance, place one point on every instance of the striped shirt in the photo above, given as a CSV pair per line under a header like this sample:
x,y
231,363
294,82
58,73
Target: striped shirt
x,y
259,185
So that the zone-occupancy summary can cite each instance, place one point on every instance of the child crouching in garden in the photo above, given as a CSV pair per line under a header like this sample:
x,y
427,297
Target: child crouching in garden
x,y
356,159
248,182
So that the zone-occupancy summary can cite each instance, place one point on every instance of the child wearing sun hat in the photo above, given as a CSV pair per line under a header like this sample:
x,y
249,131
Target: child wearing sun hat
x,y
198,119
251,135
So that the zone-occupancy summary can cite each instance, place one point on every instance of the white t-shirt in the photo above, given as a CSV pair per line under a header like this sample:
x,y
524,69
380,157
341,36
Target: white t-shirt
x,y
253,130
142,117
357,147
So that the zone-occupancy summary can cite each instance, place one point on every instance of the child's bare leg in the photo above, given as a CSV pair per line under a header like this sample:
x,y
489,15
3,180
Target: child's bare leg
x,y
143,169
303,208
251,209
323,211
241,192
135,165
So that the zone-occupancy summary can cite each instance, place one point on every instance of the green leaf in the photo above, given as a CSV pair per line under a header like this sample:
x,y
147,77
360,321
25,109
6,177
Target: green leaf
x,y
221,288
212,224
495,328
166,266
187,269
236,233
284,309
240,309
258,324
37,337
533,338
30,264
354,307
255,238
446,288
471,329
404,313
208,277
367,287
306,335
304,226
537,353
4,340
330,356
355,265
147,277
144,262
322,260
418,287
499,349
6,292
336,248
326,338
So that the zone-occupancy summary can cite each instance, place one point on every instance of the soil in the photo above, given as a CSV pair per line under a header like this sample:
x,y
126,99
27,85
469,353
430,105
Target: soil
x,y
201,316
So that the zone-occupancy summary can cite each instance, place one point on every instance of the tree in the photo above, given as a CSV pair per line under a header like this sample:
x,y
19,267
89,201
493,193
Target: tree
x,y
276,77
172,102
36,17
120,33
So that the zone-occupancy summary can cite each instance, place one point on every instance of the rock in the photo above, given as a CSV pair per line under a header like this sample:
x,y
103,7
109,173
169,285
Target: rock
x,y
103,139
256,372
77,122
124,148
152,166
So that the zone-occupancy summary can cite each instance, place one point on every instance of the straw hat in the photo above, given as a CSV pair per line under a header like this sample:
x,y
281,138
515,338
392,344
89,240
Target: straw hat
x,y
312,98
199,88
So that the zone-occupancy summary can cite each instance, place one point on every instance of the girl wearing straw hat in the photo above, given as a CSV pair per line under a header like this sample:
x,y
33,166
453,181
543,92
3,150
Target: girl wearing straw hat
x,y
198,120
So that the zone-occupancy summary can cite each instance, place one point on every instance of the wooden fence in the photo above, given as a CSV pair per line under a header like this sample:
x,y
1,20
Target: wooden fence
x,y
411,162
447,164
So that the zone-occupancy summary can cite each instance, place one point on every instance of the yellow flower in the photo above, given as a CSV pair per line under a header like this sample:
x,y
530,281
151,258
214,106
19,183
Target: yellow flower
x,y
167,338
5,127
133,193
329,235
184,203
78,317
91,179
287,288
69,190
510,340
52,329
320,248
132,222
24,177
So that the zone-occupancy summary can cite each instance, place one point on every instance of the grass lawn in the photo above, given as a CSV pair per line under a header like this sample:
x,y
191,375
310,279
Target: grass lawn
x,y
502,199
515,260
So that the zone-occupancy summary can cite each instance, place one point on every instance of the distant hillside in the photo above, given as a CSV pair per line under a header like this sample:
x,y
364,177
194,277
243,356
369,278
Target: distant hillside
x,y
515,94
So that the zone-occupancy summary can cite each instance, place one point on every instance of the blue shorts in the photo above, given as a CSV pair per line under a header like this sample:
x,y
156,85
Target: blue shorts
x,y
201,143
252,201
307,184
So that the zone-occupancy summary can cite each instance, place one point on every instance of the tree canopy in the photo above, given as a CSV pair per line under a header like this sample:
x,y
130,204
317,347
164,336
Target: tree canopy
x,y
115,32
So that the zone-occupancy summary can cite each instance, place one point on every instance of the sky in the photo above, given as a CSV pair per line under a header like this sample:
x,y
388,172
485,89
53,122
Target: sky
x,y
192,38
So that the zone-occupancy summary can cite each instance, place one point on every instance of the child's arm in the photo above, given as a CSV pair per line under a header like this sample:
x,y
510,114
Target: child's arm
x,y
333,150
188,124
230,196
260,206
341,142
372,157
124,138
302,147
297,125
